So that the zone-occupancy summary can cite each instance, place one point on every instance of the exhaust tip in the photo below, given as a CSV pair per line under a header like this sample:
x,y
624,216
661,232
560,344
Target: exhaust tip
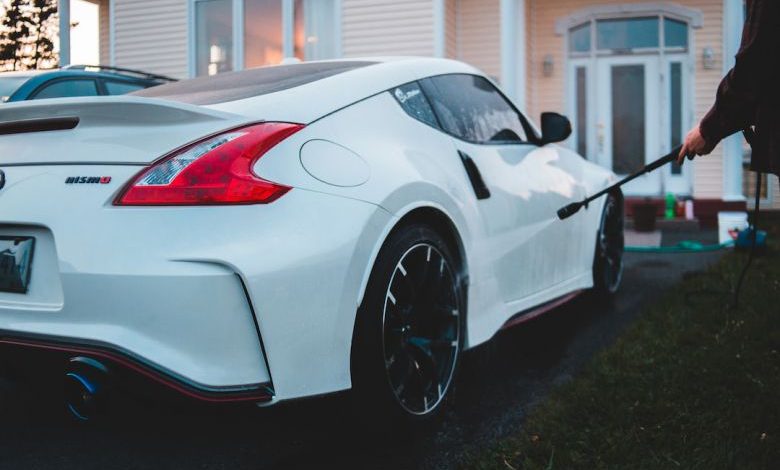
x,y
85,388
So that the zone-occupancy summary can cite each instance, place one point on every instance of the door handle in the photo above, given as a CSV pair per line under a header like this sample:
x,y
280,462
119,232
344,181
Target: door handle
x,y
475,177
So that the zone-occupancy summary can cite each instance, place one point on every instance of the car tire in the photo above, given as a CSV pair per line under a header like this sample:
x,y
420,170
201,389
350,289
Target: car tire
x,y
409,332
610,244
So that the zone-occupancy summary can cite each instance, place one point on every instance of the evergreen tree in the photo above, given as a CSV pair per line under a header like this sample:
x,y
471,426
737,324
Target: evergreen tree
x,y
26,32
14,33
43,19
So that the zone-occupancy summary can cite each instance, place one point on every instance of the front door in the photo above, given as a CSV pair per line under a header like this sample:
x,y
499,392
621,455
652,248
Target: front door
x,y
628,134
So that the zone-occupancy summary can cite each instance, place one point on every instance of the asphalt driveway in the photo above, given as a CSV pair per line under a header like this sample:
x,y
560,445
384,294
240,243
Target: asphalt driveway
x,y
497,385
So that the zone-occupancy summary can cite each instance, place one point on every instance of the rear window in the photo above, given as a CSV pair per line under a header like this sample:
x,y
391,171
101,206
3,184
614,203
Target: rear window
x,y
413,101
8,85
233,86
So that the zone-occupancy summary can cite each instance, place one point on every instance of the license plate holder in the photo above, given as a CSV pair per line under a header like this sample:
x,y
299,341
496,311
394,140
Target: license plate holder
x,y
16,254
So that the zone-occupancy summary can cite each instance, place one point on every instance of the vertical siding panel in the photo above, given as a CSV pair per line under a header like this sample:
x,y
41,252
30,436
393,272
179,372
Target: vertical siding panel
x,y
151,35
479,35
103,29
451,28
383,27
530,59
549,93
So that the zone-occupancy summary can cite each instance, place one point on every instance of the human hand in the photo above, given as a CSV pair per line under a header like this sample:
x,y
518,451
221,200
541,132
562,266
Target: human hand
x,y
694,145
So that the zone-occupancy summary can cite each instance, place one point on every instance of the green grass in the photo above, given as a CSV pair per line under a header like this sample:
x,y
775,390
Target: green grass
x,y
692,384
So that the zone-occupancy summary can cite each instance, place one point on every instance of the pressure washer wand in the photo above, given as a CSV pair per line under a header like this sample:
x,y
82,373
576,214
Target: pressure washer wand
x,y
571,209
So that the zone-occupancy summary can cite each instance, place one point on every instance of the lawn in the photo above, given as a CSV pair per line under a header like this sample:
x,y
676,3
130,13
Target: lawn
x,y
694,383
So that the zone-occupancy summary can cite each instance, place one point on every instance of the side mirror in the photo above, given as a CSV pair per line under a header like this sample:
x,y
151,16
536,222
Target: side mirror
x,y
555,128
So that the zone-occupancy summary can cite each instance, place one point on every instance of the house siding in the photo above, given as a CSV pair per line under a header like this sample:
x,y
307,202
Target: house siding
x,y
151,35
479,35
104,33
451,28
382,27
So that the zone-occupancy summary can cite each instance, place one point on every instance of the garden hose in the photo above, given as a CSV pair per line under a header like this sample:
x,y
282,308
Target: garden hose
x,y
687,246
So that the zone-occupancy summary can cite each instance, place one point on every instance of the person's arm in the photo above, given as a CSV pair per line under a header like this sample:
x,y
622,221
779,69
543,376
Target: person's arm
x,y
735,104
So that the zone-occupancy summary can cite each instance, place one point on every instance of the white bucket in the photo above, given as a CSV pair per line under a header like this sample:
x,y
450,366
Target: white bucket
x,y
730,221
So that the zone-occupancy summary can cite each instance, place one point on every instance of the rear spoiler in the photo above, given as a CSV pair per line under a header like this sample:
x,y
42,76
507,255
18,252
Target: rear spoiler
x,y
67,113
38,125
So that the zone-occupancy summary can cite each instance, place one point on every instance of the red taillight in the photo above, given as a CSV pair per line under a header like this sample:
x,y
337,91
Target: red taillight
x,y
217,170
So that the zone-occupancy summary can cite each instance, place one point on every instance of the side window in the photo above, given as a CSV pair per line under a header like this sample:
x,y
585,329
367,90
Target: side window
x,y
121,88
413,101
68,88
471,108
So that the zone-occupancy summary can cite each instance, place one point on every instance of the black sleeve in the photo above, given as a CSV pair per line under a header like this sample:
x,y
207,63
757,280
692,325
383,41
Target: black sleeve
x,y
742,87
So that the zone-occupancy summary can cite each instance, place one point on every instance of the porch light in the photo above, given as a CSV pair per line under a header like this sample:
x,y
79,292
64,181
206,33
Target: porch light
x,y
548,65
708,58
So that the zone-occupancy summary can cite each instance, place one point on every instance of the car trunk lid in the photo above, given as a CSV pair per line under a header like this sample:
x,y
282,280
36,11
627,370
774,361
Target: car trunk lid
x,y
104,130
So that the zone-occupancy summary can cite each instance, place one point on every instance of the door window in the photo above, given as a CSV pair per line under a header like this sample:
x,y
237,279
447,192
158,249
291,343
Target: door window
x,y
628,118
581,102
68,88
471,108
676,110
121,88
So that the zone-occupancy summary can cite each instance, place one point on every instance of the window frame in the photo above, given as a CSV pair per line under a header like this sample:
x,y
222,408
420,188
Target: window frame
x,y
238,30
661,49
533,137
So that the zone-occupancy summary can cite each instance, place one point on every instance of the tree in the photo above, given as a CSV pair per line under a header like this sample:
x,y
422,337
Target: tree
x,y
44,23
15,31
26,34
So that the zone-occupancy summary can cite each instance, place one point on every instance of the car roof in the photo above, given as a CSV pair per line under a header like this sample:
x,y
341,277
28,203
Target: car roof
x,y
22,73
232,86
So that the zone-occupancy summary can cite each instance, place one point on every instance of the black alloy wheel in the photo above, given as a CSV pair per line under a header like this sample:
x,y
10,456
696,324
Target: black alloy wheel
x,y
409,331
610,245
421,328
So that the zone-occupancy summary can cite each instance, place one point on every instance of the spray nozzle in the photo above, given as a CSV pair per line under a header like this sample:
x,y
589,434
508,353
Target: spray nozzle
x,y
569,210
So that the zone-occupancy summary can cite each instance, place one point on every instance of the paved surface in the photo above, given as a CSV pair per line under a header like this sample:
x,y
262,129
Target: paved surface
x,y
497,386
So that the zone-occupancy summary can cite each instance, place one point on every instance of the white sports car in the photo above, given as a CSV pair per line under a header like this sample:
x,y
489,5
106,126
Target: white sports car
x,y
290,231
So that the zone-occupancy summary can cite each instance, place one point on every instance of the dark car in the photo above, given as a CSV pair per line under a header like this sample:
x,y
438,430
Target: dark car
x,y
75,80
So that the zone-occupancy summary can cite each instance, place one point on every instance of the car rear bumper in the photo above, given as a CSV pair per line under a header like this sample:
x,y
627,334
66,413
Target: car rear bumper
x,y
36,354
217,297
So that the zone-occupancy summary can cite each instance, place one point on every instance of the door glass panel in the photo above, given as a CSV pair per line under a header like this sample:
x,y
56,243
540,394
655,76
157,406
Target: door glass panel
x,y
627,34
675,120
675,33
471,108
582,111
628,118
579,38
213,36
